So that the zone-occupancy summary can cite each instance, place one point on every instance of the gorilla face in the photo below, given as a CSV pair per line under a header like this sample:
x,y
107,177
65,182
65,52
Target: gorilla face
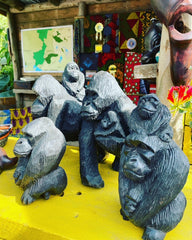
x,y
72,72
22,148
148,105
102,92
40,106
92,105
136,157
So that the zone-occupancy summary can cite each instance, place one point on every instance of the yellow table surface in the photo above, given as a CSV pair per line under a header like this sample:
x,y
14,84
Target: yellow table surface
x,y
83,213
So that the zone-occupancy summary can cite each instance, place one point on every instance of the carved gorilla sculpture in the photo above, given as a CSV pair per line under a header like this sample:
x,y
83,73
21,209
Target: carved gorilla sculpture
x,y
152,41
176,15
152,173
105,112
61,102
40,152
151,117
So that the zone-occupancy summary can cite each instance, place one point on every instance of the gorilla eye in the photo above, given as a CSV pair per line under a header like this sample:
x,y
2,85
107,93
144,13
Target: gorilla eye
x,y
143,100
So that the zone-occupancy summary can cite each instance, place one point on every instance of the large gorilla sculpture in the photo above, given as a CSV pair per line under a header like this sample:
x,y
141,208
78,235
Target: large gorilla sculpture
x,y
152,172
61,102
105,112
40,152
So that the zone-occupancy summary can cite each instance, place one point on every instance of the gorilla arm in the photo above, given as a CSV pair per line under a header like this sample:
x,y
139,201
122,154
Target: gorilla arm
x,y
88,156
169,173
45,156
124,106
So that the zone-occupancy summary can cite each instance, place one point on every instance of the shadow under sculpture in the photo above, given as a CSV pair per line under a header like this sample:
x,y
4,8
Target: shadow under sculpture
x,y
105,113
61,102
40,152
153,170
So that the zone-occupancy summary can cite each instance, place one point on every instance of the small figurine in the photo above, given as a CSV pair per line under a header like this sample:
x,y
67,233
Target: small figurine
x,y
105,113
40,152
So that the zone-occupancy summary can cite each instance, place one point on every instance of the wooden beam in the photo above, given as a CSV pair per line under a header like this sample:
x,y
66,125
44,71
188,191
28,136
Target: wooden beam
x,y
146,71
55,2
14,46
106,6
4,7
119,7
18,5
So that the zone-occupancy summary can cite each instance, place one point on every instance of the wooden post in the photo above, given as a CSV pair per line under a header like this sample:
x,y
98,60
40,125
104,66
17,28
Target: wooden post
x,y
14,46
82,10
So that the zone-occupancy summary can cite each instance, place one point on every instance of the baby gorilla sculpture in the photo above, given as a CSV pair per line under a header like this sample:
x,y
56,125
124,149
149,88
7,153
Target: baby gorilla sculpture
x,y
61,102
151,117
153,170
40,152
105,112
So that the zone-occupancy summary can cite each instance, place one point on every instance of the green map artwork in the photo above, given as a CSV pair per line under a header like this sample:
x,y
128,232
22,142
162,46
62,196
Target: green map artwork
x,y
47,49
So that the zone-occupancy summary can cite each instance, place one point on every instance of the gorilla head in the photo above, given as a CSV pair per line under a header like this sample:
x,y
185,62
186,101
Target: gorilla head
x,y
136,157
148,105
73,80
102,91
46,87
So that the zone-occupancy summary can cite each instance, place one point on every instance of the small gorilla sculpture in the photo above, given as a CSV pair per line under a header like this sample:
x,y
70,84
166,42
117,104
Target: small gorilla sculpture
x,y
105,113
61,102
151,117
40,152
152,41
152,174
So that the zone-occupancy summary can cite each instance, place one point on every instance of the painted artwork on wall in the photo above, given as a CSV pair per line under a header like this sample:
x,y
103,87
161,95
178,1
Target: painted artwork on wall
x,y
47,49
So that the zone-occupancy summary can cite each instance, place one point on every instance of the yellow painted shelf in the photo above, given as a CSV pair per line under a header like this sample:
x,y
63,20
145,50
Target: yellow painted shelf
x,y
82,213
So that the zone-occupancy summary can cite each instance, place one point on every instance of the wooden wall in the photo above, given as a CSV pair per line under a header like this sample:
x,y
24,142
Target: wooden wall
x,y
36,17
64,16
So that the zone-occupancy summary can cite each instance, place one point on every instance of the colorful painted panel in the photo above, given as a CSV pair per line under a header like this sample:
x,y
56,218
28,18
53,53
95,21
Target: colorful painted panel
x,y
113,63
106,34
131,86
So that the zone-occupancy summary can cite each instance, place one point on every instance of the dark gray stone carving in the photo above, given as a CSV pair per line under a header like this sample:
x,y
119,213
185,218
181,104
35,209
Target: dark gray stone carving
x,y
151,117
105,112
61,102
40,152
153,170
152,41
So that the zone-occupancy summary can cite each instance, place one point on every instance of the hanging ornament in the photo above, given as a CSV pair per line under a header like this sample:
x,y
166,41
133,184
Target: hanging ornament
x,y
98,28
131,43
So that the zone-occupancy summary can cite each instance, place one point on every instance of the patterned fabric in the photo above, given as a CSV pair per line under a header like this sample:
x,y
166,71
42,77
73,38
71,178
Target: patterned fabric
x,y
131,28
5,117
110,33
19,119
152,88
113,63
88,61
131,86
